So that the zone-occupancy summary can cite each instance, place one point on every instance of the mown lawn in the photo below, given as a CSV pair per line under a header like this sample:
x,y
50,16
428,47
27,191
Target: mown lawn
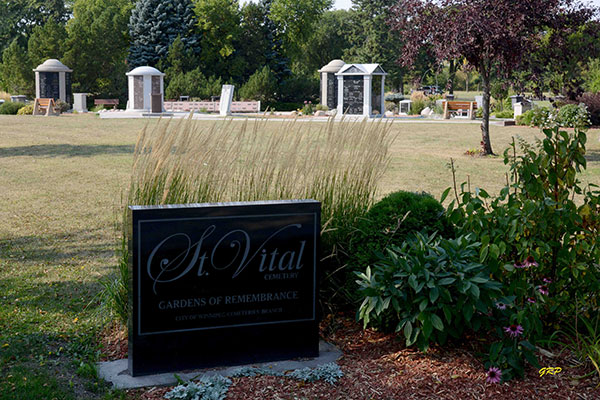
x,y
61,181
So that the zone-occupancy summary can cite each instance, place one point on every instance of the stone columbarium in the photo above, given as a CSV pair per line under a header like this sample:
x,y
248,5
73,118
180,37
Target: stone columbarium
x,y
53,81
146,90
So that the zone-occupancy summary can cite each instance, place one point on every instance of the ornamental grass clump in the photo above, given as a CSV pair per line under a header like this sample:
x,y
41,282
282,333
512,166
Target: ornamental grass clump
x,y
338,163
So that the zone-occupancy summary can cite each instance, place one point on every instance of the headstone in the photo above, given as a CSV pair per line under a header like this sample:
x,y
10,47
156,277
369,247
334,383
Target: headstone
x,y
226,99
20,98
222,284
479,101
426,112
404,106
80,102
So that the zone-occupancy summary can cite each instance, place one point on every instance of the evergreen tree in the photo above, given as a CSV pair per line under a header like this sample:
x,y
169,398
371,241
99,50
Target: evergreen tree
x,y
16,75
47,41
276,59
153,27
252,45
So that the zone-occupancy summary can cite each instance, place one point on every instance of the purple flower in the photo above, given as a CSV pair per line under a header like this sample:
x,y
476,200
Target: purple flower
x,y
494,375
519,265
547,280
514,330
531,300
530,262
501,306
543,289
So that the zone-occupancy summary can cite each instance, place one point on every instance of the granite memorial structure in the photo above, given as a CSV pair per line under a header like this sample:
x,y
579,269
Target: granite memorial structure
x,y
360,89
222,284
329,83
53,81
145,90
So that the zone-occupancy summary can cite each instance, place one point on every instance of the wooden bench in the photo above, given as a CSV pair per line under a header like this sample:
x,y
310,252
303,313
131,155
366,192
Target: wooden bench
x,y
45,107
454,106
107,102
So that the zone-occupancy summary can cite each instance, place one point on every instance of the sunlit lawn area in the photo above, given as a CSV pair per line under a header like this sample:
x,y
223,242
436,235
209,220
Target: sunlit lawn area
x,y
61,181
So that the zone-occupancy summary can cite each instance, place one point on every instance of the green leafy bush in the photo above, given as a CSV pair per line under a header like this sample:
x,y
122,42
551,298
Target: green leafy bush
x,y
573,116
538,239
27,110
506,113
391,220
62,106
283,106
537,116
434,287
308,108
321,107
416,106
10,108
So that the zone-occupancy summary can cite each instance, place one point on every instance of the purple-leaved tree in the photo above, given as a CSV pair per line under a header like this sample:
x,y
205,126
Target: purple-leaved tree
x,y
493,36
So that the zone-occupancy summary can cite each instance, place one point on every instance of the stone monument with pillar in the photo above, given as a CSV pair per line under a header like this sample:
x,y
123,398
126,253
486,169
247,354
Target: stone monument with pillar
x,y
329,83
53,81
360,89
146,90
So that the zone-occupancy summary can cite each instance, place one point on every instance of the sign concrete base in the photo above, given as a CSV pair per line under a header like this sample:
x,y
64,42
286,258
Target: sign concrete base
x,y
116,372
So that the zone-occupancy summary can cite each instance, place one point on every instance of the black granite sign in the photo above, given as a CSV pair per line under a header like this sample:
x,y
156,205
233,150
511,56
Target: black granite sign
x,y
222,284
353,94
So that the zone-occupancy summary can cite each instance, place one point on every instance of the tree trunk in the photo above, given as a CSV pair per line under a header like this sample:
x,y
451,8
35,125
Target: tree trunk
x,y
485,124
451,76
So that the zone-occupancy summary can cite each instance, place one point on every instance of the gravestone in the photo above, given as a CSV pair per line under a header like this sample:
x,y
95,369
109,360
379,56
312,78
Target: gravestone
x,y
226,99
222,284
80,102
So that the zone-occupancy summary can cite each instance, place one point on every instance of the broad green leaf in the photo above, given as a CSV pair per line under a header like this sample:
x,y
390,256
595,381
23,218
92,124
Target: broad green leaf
x,y
437,322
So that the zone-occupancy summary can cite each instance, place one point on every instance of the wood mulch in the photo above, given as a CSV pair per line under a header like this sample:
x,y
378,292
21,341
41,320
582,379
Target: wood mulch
x,y
378,366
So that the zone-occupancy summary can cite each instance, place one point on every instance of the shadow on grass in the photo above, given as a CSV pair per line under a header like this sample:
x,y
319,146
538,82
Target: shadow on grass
x,y
56,248
592,155
65,150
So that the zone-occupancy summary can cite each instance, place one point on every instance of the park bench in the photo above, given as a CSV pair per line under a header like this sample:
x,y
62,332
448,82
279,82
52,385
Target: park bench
x,y
460,107
46,107
107,102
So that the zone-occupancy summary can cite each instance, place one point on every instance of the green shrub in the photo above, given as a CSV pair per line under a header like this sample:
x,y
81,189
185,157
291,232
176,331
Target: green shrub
x,y
537,116
538,240
391,220
261,86
573,116
193,84
432,287
416,106
321,107
504,114
11,108
62,106
283,106
27,110
308,108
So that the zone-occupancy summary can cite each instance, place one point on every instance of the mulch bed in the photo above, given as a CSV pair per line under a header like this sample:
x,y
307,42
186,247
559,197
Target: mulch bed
x,y
378,366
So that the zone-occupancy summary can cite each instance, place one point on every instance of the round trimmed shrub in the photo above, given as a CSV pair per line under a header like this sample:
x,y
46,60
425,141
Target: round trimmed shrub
x,y
391,221
27,110
10,108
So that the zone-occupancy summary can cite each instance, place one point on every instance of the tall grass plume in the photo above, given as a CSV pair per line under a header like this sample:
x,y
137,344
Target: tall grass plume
x,y
338,163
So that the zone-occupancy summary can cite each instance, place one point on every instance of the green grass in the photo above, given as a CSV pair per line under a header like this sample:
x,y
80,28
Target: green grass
x,y
61,180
